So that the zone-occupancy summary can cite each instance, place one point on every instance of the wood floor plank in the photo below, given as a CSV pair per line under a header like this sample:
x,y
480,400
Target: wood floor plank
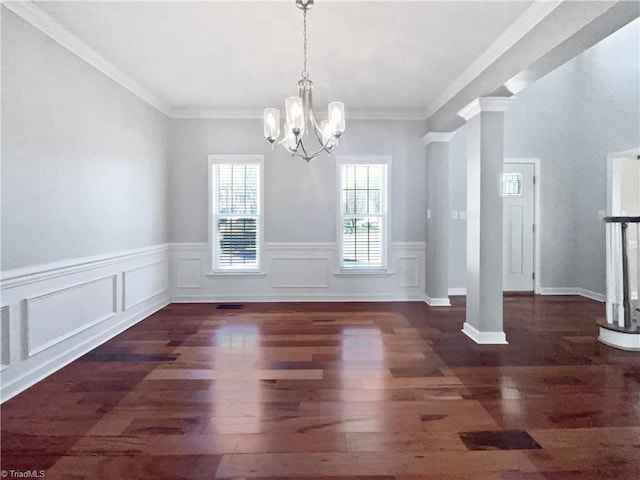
x,y
223,374
370,463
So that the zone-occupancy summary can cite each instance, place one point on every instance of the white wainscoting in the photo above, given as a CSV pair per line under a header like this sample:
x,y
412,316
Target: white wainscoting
x,y
141,283
52,314
81,306
297,272
5,332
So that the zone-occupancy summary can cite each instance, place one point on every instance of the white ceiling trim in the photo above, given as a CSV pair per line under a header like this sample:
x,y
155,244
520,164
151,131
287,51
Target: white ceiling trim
x,y
384,114
292,1
248,114
485,104
441,137
37,17
215,113
531,17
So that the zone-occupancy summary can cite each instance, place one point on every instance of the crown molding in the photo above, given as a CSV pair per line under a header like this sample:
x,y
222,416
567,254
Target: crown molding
x,y
526,22
485,104
255,114
432,137
37,17
365,114
216,113
323,1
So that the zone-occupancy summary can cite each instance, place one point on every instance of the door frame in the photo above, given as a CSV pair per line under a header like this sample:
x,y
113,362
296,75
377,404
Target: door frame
x,y
611,186
536,217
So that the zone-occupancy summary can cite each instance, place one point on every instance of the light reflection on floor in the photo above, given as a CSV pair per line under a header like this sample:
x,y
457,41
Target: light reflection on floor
x,y
363,356
237,352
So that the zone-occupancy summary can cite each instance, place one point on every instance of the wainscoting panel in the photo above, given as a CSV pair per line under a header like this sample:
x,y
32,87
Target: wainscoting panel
x,y
298,272
189,273
5,332
142,283
54,313
56,316
409,272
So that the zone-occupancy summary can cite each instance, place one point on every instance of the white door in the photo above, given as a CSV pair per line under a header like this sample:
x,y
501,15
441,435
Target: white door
x,y
518,226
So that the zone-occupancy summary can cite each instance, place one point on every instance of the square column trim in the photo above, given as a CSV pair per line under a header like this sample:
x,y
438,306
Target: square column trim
x,y
485,104
484,338
432,137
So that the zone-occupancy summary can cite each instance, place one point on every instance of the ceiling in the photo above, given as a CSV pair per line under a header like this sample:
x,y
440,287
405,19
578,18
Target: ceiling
x,y
392,59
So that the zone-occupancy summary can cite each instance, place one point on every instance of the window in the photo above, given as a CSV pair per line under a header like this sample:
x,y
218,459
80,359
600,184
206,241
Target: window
x,y
511,184
236,212
363,214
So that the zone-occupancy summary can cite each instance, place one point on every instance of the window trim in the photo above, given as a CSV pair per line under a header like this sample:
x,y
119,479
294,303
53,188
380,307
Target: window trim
x,y
254,159
384,160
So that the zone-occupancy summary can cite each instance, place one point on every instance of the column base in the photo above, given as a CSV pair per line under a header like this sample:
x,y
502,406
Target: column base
x,y
437,302
484,338
620,340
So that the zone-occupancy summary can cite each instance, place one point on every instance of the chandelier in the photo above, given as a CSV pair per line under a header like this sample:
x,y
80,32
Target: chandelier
x,y
303,136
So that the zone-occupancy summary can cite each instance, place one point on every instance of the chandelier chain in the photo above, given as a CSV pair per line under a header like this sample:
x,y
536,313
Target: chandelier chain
x,y
305,73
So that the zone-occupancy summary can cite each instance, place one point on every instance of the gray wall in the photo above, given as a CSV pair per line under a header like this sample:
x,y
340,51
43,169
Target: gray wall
x,y
610,110
300,197
458,202
571,120
437,248
83,160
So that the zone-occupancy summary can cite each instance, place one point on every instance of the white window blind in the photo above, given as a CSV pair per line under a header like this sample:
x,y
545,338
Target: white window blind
x,y
236,216
363,210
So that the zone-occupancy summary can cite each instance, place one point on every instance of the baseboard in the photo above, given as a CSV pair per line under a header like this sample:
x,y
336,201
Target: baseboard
x,y
582,292
204,298
558,291
42,371
484,338
598,297
437,302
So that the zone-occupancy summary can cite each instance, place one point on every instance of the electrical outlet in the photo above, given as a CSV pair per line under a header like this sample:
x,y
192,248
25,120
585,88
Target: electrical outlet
x,y
454,214
428,213
463,215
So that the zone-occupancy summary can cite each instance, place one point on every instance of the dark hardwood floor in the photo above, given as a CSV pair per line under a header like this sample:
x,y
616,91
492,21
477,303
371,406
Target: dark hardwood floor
x,y
337,390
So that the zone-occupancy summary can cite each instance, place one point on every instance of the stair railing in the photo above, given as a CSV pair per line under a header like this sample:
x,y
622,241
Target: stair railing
x,y
623,310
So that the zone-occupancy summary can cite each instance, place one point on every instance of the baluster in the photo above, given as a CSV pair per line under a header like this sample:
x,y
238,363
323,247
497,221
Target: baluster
x,y
636,313
626,297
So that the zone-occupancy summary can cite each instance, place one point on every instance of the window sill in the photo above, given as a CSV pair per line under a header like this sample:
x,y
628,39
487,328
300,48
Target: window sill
x,y
236,273
365,272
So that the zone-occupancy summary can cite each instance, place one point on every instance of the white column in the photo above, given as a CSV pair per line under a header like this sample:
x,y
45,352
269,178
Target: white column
x,y
485,157
437,231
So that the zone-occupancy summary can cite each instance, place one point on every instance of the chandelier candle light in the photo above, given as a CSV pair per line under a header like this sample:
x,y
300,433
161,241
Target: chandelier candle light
x,y
301,129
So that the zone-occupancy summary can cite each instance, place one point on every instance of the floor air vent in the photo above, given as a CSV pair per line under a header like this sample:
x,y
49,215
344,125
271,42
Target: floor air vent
x,y
229,306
